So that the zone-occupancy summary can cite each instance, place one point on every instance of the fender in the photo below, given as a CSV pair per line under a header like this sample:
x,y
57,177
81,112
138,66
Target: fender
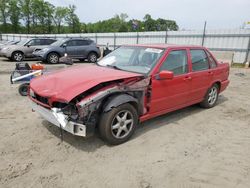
x,y
117,100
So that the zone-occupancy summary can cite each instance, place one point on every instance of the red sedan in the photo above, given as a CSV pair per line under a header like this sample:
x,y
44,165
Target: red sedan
x,y
130,85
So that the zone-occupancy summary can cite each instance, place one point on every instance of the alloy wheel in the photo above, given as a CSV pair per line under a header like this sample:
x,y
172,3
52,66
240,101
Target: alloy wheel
x,y
53,58
18,56
92,58
212,95
122,124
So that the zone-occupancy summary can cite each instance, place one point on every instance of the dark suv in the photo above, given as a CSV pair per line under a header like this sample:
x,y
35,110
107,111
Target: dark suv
x,y
75,48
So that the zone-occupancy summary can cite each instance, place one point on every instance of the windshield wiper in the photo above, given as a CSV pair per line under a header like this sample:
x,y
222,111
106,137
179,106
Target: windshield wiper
x,y
114,67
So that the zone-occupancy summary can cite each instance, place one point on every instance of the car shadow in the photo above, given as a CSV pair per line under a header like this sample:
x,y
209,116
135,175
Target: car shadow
x,y
88,144
24,60
172,117
92,143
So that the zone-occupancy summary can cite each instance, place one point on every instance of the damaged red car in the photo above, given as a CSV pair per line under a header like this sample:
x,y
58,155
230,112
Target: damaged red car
x,y
130,85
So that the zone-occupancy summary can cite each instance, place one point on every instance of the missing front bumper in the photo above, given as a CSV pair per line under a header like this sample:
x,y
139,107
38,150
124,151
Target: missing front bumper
x,y
56,117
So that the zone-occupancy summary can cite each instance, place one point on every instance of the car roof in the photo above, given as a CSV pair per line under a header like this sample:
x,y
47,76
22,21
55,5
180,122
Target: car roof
x,y
79,39
40,38
166,46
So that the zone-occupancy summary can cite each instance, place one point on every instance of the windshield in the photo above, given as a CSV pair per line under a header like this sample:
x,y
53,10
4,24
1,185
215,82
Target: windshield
x,y
133,58
23,42
59,42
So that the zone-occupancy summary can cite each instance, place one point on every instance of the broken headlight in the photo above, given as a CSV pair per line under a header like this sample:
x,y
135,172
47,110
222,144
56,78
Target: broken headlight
x,y
32,93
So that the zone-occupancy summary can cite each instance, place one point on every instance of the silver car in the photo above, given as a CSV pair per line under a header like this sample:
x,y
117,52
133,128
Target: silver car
x,y
25,48
4,44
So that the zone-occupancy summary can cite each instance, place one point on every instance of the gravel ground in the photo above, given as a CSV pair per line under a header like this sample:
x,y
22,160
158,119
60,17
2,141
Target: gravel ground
x,y
192,147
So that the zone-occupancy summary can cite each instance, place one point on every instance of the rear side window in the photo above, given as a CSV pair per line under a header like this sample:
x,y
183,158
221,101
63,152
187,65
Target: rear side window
x,y
213,63
45,42
83,42
199,60
176,62
49,41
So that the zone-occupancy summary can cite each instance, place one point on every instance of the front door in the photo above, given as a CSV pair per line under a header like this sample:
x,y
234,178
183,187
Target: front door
x,y
71,48
31,46
171,94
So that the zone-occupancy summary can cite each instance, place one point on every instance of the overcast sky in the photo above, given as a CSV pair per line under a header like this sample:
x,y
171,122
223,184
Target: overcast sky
x,y
189,14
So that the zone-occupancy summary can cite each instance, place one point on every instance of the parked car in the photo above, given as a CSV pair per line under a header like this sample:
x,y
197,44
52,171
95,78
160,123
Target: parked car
x,y
75,48
130,85
25,48
4,44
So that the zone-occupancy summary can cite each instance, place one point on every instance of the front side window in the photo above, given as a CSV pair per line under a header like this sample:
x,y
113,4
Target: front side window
x,y
176,62
199,60
34,42
133,58
72,43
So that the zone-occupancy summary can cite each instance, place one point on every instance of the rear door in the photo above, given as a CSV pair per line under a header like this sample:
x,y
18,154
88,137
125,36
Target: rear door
x,y
171,94
82,48
201,74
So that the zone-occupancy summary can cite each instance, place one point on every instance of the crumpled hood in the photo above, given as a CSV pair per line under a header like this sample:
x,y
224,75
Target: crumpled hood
x,y
66,84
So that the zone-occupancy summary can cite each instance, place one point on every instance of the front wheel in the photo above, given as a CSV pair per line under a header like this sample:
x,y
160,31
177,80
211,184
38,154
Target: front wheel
x,y
23,89
53,58
118,125
211,97
17,56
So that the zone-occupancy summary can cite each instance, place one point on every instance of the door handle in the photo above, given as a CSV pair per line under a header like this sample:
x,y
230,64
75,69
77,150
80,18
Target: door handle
x,y
187,78
210,72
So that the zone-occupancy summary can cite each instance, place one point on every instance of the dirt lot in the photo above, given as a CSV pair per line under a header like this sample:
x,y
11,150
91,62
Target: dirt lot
x,y
192,147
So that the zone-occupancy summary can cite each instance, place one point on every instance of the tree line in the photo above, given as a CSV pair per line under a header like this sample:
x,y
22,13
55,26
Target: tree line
x,y
42,17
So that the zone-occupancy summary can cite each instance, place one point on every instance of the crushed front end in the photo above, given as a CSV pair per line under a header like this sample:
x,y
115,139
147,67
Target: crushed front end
x,y
80,116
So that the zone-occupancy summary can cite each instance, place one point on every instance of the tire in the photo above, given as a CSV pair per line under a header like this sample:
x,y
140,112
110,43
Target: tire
x,y
211,97
53,58
113,128
23,89
17,56
92,57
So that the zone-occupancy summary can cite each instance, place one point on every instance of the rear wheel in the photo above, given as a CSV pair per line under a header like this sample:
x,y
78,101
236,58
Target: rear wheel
x,y
211,97
118,125
17,56
23,89
92,57
53,58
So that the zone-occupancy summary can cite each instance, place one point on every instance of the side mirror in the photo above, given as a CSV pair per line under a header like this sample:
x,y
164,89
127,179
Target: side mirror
x,y
165,75
28,45
64,45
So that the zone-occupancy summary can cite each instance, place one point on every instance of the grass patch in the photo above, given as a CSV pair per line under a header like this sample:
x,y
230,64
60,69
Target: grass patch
x,y
238,65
